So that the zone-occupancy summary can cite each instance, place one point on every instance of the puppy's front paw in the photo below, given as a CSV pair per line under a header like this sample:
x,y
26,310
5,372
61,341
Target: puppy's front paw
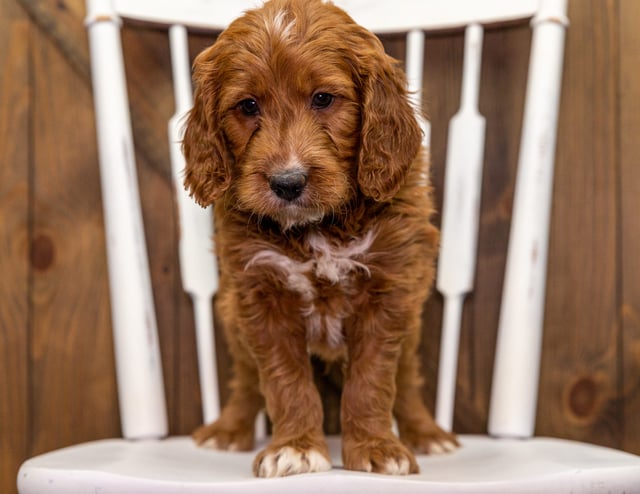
x,y
225,435
290,460
431,441
379,455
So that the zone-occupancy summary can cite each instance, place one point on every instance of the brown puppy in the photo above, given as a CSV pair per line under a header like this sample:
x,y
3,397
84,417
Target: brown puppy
x,y
302,136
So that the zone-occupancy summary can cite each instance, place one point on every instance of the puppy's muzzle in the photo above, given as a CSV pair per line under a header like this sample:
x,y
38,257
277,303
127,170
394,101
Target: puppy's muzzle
x,y
288,185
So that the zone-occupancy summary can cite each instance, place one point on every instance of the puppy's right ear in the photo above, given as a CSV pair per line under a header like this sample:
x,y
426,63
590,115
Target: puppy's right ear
x,y
208,161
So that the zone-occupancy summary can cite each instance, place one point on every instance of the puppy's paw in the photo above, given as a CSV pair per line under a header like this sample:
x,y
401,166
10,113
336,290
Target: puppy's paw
x,y
290,460
430,441
379,455
225,435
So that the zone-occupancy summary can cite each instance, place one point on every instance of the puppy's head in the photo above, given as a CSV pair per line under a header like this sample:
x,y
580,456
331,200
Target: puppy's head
x,y
297,111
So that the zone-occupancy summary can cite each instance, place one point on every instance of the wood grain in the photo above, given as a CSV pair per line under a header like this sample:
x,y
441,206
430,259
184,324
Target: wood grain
x,y
62,21
72,369
579,378
15,35
629,49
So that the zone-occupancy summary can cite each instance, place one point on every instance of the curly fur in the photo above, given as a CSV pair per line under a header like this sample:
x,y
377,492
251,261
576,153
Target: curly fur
x,y
340,271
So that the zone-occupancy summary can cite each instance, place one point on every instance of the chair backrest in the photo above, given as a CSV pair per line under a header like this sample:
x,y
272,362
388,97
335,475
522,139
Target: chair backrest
x,y
514,389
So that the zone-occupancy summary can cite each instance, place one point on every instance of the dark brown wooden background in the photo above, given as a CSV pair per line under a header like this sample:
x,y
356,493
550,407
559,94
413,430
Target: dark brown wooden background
x,y
56,369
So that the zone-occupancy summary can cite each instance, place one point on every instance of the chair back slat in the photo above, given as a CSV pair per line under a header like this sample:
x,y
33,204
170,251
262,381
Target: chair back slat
x,y
460,219
141,396
514,390
198,265
414,66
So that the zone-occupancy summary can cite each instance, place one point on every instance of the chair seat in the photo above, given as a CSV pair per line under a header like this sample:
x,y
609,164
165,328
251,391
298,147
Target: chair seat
x,y
483,464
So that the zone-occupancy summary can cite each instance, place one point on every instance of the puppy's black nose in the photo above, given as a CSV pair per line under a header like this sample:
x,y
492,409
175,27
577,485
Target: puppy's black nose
x,y
288,185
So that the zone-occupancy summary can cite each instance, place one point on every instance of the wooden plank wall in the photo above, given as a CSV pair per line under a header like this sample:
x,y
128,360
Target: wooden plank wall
x,y
15,33
57,384
580,368
629,222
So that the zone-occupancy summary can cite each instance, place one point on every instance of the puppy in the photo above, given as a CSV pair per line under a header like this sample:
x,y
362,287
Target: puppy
x,y
302,137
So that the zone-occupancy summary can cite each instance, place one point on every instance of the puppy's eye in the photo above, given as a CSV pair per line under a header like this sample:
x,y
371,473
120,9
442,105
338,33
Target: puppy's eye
x,y
249,107
320,101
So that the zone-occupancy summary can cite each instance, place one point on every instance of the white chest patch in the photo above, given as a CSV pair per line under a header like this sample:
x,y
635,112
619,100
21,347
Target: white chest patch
x,y
332,262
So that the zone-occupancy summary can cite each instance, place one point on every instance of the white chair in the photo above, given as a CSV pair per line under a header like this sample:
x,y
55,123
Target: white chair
x,y
509,460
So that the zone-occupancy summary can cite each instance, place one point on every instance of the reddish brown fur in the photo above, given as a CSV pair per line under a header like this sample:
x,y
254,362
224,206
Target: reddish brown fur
x,y
280,297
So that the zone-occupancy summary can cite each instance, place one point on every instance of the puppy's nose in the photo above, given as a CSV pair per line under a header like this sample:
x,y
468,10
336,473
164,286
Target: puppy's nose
x,y
288,185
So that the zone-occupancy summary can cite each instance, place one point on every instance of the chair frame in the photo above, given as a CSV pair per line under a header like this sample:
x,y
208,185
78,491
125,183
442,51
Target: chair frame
x,y
514,392
513,402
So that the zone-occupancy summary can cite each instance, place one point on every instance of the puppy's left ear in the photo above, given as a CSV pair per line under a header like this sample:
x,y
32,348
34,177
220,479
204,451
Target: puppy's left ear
x,y
391,135
208,161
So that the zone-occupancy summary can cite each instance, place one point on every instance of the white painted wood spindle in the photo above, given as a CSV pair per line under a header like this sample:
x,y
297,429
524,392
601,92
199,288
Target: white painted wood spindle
x,y
198,265
460,215
415,68
514,391
137,354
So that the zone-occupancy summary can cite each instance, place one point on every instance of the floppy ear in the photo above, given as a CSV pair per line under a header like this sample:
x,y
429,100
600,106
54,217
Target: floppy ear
x,y
208,162
390,135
